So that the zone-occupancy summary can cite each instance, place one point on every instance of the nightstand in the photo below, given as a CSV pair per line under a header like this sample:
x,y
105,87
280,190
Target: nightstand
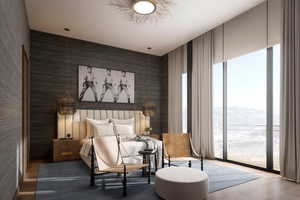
x,y
64,150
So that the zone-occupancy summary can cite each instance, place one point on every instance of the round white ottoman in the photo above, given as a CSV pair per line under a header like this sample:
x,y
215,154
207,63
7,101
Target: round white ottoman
x,y
181,183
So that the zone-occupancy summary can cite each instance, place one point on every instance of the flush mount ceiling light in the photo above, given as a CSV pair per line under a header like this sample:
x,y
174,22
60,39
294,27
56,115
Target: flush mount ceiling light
x,y
144,7
143,10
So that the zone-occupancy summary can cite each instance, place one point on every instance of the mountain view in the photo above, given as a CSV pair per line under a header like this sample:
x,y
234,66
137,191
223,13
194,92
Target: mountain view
x,y
246,135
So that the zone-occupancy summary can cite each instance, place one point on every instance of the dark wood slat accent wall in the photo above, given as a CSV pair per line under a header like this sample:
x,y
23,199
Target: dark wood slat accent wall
x,y
164,95
54,65
14,33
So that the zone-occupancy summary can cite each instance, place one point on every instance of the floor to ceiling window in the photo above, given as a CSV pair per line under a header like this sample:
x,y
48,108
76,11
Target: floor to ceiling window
x,y
218,109
246,108
241,115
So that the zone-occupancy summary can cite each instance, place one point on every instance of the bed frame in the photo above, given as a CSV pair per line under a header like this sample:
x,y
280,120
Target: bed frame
x,y
75,125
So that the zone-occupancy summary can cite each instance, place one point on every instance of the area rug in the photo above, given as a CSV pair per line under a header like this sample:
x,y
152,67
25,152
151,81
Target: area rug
x,y
70,181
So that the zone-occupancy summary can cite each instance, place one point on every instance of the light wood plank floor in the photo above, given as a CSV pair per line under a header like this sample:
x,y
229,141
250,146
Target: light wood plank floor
x,y
28,187
270,187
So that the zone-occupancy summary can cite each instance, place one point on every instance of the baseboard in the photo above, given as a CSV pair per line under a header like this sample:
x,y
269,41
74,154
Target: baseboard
x,y
16,193
19,187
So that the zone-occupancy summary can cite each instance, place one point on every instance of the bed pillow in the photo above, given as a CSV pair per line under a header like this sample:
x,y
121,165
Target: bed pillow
x,y
90,123
125,127
102,130
125,130
124,121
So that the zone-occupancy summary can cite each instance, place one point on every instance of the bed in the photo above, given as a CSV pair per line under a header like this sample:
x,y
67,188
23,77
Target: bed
x,y
79,128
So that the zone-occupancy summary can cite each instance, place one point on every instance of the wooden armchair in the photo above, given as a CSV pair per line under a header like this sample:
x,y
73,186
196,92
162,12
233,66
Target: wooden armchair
x,y
106,152
178,148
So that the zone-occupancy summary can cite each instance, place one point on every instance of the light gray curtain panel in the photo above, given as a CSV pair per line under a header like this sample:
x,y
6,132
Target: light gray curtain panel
x,y
202,134
176,66
290,91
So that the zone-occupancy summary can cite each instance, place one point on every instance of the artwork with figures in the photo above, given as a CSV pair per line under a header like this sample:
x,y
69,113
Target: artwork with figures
x,y
105,85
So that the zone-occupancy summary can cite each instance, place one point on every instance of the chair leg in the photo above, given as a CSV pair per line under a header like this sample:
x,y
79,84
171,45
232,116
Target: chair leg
x,y
92,179
149,169
190,164
155,161
169,161
149,174
92,172
103,184
124,182
144,161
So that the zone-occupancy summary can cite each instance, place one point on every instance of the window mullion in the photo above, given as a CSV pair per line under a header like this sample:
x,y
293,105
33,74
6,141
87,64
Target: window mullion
x,y
225,110
269,126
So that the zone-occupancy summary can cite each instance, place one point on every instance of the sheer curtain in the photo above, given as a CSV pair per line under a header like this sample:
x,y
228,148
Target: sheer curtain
x,y
176,66
290,91
202,135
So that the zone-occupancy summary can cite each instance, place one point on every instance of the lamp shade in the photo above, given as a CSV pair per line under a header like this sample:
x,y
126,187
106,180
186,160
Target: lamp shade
x,y
66,105
149,109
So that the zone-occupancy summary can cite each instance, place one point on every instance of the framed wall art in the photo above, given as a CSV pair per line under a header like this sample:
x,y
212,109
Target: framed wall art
x,y
105,85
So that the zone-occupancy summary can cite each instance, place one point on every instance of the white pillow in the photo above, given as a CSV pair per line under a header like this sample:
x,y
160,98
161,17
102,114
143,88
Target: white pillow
x,y
90,123
101,130
124,121
125,128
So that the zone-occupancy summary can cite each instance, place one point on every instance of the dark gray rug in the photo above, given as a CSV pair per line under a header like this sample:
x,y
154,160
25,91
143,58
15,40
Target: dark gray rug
x,y
70,181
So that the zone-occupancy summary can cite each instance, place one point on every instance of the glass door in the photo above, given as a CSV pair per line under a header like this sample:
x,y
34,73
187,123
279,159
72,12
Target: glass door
x,y
218,109
246,108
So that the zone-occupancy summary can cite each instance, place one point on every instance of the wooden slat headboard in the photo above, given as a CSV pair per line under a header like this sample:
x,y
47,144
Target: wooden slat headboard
x,y
76,124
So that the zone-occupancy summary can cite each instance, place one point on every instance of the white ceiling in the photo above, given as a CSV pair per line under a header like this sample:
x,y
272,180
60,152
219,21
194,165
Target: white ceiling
x,y
96,21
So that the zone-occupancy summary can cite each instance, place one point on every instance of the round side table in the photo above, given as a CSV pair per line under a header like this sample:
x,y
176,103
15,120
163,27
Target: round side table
x,y
147,159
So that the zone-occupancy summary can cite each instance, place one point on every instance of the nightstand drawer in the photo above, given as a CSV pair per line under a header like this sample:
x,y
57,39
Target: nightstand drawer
x,y
66,153
64,150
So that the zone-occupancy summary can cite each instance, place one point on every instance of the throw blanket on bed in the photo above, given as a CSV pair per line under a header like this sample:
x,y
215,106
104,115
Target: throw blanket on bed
x,y
130,148
141,144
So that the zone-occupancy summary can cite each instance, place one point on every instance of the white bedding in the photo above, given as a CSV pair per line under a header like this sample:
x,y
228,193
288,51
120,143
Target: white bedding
x,y
129,150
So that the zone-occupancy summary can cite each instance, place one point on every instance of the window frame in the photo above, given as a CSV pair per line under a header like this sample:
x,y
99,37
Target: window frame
x,y
269,118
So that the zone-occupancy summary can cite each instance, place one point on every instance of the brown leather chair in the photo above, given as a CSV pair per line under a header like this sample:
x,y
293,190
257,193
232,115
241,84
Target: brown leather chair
x,y
178,148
